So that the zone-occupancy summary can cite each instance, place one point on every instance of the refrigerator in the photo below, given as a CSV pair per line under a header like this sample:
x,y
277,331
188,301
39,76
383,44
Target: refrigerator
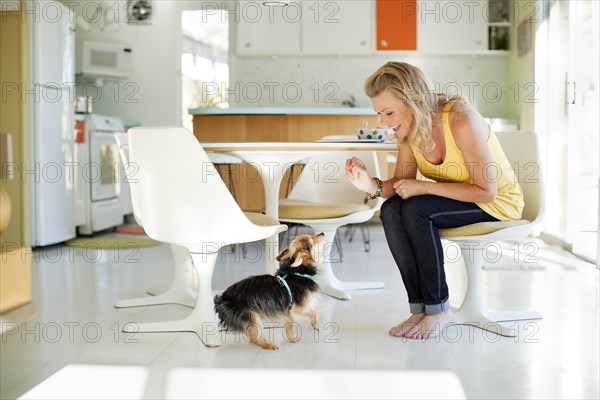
x,y
49,175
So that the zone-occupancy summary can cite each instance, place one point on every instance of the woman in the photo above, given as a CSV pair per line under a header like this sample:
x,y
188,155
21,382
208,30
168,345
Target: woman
x,y
450,143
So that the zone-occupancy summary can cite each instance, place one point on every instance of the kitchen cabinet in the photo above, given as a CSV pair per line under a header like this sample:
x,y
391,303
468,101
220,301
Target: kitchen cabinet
x,y
442,26
306,27
448,25
337,26
499,25
396,22
267,30
353,26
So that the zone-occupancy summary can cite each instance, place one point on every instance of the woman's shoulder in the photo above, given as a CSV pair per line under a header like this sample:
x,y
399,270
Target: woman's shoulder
x,y
466,122
455,110
458,107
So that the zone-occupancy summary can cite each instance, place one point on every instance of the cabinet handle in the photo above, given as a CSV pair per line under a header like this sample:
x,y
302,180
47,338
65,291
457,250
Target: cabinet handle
x,y
247,44
571,93
384,43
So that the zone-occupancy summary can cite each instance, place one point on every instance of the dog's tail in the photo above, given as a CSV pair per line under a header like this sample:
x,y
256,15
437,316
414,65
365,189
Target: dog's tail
x,y
231,318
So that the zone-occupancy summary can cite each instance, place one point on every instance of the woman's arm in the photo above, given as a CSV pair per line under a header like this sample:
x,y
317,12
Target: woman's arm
x,y
406,168
470,134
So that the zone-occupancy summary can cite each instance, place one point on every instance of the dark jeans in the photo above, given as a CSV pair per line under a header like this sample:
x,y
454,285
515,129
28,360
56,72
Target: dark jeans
x,y
411,229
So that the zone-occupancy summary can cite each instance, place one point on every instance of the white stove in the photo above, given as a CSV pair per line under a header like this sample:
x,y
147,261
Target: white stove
x,y
102,197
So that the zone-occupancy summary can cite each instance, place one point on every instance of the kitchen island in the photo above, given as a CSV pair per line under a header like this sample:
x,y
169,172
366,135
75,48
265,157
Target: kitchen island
x,y
274,124
278,124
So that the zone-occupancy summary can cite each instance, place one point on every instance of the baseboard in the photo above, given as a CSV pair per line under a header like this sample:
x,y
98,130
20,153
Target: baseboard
x,y
553,240
556,241
14,317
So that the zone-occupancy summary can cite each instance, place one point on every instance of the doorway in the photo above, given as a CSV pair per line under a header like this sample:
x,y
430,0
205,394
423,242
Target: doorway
x,y
567,65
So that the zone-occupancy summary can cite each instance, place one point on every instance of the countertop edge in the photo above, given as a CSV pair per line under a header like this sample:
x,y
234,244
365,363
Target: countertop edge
x,y
282,111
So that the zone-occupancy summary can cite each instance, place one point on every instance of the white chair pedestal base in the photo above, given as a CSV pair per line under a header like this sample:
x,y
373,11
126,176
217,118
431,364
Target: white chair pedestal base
x,y
488,319
178,291
329,284
472,311
155,291
202,320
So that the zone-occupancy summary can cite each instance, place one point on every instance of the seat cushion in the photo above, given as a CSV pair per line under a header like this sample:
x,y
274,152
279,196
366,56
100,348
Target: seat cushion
x,y
480,228
220,158
299,209
261,219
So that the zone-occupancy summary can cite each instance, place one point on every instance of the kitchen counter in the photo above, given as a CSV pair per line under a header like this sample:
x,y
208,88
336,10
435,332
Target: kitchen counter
x,y
278,124
282,111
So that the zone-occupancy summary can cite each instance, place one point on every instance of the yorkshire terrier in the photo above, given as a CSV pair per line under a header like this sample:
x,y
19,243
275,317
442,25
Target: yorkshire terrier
x,y
292,290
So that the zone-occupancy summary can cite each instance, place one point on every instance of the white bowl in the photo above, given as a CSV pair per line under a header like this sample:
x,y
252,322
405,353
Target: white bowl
x,y
379,134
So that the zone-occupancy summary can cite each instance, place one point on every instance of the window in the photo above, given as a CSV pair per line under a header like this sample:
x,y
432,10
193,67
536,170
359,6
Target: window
x,y
204,61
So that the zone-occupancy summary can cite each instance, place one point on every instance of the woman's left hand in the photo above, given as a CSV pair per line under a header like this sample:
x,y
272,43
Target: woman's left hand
x,y
407,188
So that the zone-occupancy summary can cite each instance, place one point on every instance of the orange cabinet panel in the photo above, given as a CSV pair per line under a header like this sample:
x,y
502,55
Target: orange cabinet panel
x,y
396,24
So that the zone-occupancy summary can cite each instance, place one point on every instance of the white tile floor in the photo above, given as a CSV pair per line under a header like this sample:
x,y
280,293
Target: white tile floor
x,y
75,337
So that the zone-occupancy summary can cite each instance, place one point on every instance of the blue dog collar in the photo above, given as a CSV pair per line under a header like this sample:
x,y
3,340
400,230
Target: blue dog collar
x,y
287,287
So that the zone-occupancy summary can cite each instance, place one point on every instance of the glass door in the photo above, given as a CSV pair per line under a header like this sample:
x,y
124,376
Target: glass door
x,y
566,115
583,127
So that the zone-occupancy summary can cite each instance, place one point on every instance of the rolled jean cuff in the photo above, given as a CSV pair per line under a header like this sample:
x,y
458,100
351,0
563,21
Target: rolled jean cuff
x,y
422,308
417,308
437,308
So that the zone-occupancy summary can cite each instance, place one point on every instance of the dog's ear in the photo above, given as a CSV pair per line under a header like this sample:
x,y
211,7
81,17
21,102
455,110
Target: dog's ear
x,y
300,259
281,255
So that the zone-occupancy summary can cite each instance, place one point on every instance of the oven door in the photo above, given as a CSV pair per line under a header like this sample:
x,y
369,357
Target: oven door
x,y
104,166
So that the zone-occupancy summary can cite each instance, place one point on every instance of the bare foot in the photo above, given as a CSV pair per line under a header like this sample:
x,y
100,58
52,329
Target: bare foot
x,y
431,325
402,328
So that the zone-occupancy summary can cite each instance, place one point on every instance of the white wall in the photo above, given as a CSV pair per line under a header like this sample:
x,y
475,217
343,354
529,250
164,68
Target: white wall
x,y
323,80
152,96
521,72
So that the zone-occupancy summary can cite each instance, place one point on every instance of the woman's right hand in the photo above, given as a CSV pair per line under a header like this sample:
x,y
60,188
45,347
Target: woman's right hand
x,y
358,175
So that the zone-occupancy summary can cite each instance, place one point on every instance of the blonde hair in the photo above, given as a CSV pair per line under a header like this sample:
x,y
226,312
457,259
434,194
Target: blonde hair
x,y
408,84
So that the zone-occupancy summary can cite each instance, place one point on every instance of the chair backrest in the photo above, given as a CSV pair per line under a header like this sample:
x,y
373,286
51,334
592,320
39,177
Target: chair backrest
x,y
323,179
178,192
123,144
523,152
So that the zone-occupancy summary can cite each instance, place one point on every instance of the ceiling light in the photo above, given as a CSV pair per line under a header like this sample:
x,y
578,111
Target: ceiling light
x,y
276,3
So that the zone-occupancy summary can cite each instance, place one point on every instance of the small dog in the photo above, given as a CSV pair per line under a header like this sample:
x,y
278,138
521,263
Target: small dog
x,y
291,290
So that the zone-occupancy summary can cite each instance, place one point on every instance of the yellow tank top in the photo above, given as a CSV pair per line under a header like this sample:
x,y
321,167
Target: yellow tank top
x,y
508,204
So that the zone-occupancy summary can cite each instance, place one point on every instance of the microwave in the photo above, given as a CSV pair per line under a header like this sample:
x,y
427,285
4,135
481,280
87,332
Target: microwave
x,y
97,59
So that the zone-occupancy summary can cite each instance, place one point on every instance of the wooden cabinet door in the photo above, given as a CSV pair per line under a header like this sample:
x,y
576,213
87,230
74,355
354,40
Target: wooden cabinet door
x,y
342,26
396,22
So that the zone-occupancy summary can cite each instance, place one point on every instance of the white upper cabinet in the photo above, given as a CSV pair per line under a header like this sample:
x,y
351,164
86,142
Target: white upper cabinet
x,y
452,25
267,29
307,27
348,26
343,26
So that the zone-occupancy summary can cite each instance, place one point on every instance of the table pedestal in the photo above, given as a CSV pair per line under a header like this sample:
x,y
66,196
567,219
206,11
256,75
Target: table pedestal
x,y
329,284
271,173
